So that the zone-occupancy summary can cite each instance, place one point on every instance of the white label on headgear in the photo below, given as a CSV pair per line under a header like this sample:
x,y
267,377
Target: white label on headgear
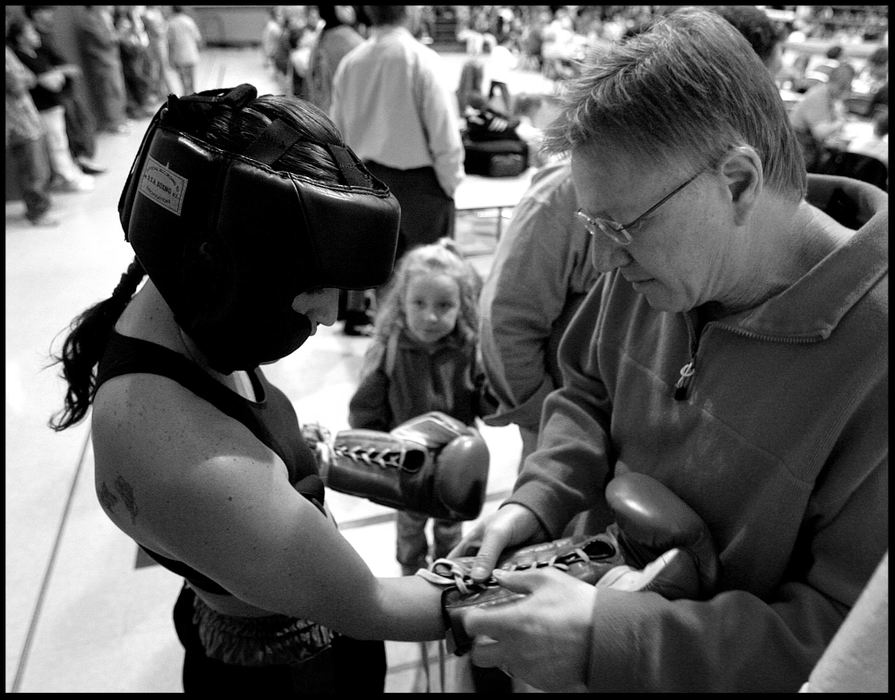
x,y
162,185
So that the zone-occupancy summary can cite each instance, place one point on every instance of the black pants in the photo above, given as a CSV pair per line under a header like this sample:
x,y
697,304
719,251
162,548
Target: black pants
x,y
350,666
427,213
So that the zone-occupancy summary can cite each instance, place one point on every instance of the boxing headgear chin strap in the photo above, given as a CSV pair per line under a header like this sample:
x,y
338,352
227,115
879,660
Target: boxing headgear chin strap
x,y
230,240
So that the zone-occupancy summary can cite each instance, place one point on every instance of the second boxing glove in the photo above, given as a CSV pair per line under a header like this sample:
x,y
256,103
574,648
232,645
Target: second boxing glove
x,y
432,464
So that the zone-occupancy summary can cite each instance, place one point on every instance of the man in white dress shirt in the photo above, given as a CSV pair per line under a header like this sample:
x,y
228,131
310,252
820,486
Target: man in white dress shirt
x,y
393,108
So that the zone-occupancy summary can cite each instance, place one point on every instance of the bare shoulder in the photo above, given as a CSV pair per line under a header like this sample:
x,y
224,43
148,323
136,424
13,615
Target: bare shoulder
x,y
158,448
192,484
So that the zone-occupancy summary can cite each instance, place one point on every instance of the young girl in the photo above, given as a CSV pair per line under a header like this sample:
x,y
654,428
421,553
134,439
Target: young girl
x,y
197,457
423,357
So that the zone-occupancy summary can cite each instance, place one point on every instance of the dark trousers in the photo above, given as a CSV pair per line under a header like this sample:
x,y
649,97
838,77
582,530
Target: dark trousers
x,y
427,213
413,546
32,169
105,83
351,667
80,127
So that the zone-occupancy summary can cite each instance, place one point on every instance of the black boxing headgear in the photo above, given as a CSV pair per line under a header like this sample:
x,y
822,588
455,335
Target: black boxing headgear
x,y
230,241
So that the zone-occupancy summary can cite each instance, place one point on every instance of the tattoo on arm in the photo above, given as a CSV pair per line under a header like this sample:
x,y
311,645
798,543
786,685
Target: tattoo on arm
x,y
127,493
107,499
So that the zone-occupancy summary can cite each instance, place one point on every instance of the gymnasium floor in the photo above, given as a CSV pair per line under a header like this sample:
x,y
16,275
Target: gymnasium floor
x,y
84,613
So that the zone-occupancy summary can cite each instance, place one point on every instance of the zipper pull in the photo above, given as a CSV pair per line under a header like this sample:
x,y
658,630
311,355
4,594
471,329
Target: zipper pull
x,y
683,383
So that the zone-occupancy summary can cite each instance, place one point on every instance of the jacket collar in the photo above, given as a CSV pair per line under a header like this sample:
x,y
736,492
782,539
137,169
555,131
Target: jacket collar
x,y
811,309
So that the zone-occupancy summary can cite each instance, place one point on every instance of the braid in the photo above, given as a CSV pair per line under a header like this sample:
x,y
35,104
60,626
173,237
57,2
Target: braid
x,y
85,344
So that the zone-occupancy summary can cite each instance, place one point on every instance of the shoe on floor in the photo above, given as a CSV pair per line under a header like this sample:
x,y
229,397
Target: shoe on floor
x,y
44,220
82,184
358,323
118,129
365,329
91,168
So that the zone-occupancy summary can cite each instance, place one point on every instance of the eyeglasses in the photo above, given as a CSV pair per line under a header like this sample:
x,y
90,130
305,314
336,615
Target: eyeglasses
x,y
621,233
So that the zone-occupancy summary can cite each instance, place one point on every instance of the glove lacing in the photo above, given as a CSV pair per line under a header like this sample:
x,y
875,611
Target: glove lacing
x,y
458,574
384,459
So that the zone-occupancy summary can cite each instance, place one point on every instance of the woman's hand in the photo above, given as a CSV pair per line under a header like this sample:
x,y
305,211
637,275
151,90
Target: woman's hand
x,y
511,525
543,638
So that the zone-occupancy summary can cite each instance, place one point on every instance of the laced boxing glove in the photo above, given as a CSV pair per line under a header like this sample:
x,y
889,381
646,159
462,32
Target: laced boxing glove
x,y
432,464
651,522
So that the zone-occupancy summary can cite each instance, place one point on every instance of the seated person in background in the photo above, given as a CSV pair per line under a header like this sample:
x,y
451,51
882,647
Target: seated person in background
x,y
820,116
486,124
875,144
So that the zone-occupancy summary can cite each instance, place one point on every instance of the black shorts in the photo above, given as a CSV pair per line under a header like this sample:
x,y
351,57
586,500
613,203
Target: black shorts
x,y
347,666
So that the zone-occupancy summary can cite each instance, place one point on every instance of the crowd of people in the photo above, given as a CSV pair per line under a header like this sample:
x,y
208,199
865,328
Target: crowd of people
x,y
699,346
126,60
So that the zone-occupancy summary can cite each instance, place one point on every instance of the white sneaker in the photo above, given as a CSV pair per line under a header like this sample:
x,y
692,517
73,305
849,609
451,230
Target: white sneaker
x,y
82,184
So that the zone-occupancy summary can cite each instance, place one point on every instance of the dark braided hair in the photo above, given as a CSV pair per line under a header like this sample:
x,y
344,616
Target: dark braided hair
x,y
85,344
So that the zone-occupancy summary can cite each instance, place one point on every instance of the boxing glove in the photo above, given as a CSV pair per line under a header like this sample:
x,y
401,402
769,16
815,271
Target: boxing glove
x,y
658,543
587,559
652,520
432,464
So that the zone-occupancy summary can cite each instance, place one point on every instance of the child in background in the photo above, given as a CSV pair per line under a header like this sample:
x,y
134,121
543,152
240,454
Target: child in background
x,y
423,357
184,43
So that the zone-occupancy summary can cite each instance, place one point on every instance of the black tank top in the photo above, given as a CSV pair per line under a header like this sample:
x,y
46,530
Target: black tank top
x,y
271,419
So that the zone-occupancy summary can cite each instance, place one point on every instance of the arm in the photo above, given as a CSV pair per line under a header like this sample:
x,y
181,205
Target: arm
x,y
569,470
440,122
369,406
567,473
234,516
739,640
521,320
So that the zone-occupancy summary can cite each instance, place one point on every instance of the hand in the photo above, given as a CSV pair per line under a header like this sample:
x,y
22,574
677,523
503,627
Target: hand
x,y
512,524
53,80
542,639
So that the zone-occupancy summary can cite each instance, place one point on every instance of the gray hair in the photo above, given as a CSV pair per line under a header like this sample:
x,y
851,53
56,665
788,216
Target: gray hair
x,y
687,89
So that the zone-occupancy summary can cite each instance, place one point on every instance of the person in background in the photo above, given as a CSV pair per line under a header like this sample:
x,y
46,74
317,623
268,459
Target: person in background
x,y
163,79
526,109
52,76
392,105
184,44
875,144
335,39
24,136
832,58
471,81
523,317
198,457
101,61
270,35
733,288
498,64
301,40
820,115
423,357
80,124
133,43
876,79
764,36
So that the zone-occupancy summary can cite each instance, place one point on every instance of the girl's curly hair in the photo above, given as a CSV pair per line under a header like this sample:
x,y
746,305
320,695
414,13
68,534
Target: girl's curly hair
x,y
442,257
